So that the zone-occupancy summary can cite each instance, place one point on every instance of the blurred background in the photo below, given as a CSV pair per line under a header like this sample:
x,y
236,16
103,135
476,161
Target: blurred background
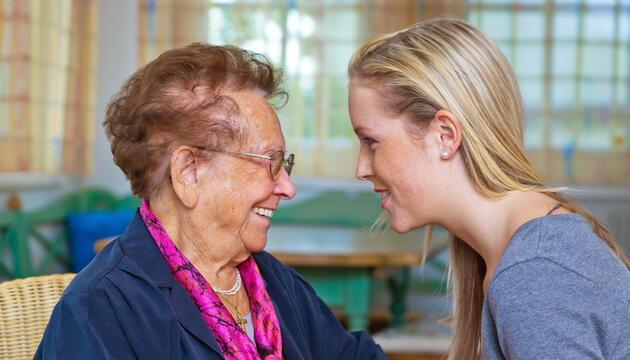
x,y
62,60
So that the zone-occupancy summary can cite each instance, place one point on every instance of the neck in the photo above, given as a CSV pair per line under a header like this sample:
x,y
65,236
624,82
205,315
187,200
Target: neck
x,y
210,250
487,224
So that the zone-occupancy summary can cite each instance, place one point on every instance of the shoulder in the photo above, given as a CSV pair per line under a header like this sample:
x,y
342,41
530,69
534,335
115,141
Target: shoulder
x,y
112,282
275,272
285,286
539,301
567,243
557,281
94,275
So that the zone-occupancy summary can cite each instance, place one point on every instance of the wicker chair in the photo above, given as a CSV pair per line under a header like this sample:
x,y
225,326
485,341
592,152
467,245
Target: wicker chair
x,y
25,308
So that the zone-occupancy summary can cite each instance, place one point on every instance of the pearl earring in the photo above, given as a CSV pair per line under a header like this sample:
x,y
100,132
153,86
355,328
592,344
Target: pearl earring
x,y
445,155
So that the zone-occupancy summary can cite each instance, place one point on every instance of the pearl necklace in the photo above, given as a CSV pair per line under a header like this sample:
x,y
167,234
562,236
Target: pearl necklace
x,y
233,290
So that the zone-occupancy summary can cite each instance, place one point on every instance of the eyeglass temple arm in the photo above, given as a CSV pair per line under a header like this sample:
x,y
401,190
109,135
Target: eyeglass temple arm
x,y
240,153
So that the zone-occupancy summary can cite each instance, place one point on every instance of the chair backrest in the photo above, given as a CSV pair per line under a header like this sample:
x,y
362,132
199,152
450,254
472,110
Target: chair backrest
x,y
25,308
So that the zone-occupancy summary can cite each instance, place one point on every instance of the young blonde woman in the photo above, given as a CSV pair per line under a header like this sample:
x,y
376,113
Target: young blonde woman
x,y
439,116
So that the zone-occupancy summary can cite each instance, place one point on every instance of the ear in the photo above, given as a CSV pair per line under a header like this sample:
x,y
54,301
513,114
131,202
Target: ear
x,y
450,133
184,176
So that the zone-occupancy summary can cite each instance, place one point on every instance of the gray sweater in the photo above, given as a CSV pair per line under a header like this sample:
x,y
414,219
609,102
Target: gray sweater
x,y
558,292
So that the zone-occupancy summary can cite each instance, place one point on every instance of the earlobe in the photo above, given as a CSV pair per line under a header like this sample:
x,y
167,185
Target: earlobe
x,y
184,176
450,133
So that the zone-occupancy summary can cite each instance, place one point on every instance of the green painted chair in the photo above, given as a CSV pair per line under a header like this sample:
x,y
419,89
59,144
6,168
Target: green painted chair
x,y
47,227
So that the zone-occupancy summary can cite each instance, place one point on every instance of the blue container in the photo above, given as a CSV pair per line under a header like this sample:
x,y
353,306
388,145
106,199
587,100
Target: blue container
x,y
85,228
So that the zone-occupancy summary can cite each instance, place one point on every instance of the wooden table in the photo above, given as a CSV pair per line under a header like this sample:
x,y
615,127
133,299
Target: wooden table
x,y
340,262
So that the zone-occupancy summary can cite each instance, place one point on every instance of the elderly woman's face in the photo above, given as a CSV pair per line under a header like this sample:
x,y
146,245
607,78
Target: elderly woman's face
x,y
238,189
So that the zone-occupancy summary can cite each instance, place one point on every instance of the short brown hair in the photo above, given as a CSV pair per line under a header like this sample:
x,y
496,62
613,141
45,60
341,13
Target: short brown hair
x,y
182,98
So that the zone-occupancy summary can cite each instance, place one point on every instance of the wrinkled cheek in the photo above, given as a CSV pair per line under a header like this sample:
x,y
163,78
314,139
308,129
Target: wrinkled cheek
x,y
253,236
226,213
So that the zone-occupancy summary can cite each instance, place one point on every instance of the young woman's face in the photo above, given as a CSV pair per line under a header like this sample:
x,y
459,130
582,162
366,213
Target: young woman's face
x,y
401,167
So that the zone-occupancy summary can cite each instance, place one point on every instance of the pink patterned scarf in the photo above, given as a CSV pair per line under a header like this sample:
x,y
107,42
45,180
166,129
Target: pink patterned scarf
x,y
232,340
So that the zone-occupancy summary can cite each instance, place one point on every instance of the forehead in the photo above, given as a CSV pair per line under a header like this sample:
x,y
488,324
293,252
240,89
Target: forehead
x,y
261,122
366,106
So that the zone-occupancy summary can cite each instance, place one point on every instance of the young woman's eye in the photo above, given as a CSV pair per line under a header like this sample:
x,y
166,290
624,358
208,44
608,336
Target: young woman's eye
x,y
367,141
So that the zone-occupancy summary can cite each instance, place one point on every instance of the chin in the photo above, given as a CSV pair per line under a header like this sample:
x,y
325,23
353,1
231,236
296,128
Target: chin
x,y
258,244
403,226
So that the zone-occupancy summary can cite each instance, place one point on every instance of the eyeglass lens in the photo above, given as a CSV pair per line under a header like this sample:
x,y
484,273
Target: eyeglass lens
x,y
278,161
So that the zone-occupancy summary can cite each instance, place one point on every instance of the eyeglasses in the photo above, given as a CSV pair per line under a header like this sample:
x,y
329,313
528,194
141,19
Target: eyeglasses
x,y
276,160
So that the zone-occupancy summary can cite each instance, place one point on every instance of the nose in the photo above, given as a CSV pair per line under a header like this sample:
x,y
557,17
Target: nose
x,y
364,167
284,188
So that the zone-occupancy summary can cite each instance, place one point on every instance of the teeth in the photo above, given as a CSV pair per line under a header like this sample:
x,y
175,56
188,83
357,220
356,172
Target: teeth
x,y
383,194
263,212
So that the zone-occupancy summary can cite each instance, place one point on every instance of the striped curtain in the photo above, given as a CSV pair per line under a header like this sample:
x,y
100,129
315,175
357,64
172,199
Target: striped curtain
x,y
47,85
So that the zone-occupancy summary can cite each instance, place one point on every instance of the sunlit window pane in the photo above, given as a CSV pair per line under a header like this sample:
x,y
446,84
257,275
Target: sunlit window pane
x,y
532,91
338,54
565,25
340,24
531,2
600,2
623,95
529,60
624,25
623,61
530,25
597,61
474,18
561,132
533,132
599,25
506,49
563,59
596,93
497,24
219,26
563,94
595,133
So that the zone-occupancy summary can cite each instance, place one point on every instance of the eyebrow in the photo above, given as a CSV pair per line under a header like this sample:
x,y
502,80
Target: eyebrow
x,y
359,129
272,147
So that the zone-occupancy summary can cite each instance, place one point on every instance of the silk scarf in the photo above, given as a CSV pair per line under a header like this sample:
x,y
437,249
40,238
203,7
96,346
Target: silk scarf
x,y
232,340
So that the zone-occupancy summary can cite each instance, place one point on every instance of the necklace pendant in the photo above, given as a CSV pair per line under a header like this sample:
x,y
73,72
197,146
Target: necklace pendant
x,y
241,322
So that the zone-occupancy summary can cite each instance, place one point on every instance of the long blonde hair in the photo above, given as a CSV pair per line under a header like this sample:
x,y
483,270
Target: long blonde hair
x,y
449,64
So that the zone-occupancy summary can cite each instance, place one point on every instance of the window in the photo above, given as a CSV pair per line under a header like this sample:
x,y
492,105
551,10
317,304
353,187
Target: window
x,y
571,57
571,60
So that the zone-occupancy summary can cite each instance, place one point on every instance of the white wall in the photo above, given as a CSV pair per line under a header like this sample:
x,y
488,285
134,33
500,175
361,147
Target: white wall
x,y
117,49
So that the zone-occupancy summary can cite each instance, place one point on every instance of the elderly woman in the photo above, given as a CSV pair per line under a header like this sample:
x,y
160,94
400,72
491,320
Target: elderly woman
x,y
194,133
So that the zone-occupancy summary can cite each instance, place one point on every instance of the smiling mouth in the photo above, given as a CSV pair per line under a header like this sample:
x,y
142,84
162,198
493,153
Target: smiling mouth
x,y
263,212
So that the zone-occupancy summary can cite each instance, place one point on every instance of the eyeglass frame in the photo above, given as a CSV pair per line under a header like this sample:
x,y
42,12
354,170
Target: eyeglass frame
x,y
287,163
